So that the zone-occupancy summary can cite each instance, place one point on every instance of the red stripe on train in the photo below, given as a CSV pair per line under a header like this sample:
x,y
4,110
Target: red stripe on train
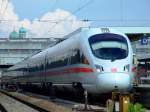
x,y
78,70
71,70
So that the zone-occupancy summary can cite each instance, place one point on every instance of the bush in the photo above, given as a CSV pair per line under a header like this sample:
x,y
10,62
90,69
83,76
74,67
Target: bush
x,y
136,108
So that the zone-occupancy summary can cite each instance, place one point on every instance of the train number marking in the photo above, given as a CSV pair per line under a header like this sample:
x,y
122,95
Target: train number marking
x,y
105,30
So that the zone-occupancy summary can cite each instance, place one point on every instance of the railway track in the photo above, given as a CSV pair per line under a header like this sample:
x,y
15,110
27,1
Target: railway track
x,y
36,103
9,103
78,106
56,106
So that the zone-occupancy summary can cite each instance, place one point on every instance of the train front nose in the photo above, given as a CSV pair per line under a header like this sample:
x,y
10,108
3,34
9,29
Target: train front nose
x,y
113,81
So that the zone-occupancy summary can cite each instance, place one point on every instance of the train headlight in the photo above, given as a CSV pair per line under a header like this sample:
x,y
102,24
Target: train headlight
x,y
99,68
127,68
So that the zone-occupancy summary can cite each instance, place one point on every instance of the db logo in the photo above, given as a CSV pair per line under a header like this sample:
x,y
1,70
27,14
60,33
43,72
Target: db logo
x,y
144,41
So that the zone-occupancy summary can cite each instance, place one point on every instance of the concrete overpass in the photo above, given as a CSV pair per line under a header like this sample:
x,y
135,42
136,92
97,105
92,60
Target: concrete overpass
x,y
13,51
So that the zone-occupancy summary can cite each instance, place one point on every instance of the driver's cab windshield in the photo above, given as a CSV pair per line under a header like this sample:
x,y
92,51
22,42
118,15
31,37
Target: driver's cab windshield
x,y
109,46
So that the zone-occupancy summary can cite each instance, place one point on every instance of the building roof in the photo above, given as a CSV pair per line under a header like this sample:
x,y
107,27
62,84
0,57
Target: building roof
x,y
22,30
14,34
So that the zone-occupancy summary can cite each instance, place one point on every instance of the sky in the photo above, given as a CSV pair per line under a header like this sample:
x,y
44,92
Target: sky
x,y
67,15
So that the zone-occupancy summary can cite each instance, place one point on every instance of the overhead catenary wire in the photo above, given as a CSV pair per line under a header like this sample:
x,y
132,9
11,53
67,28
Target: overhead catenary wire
x,y
50,21
85,20
77,10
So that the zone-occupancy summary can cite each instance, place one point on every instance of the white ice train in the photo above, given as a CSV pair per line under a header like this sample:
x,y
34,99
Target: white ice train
x,y
98,59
